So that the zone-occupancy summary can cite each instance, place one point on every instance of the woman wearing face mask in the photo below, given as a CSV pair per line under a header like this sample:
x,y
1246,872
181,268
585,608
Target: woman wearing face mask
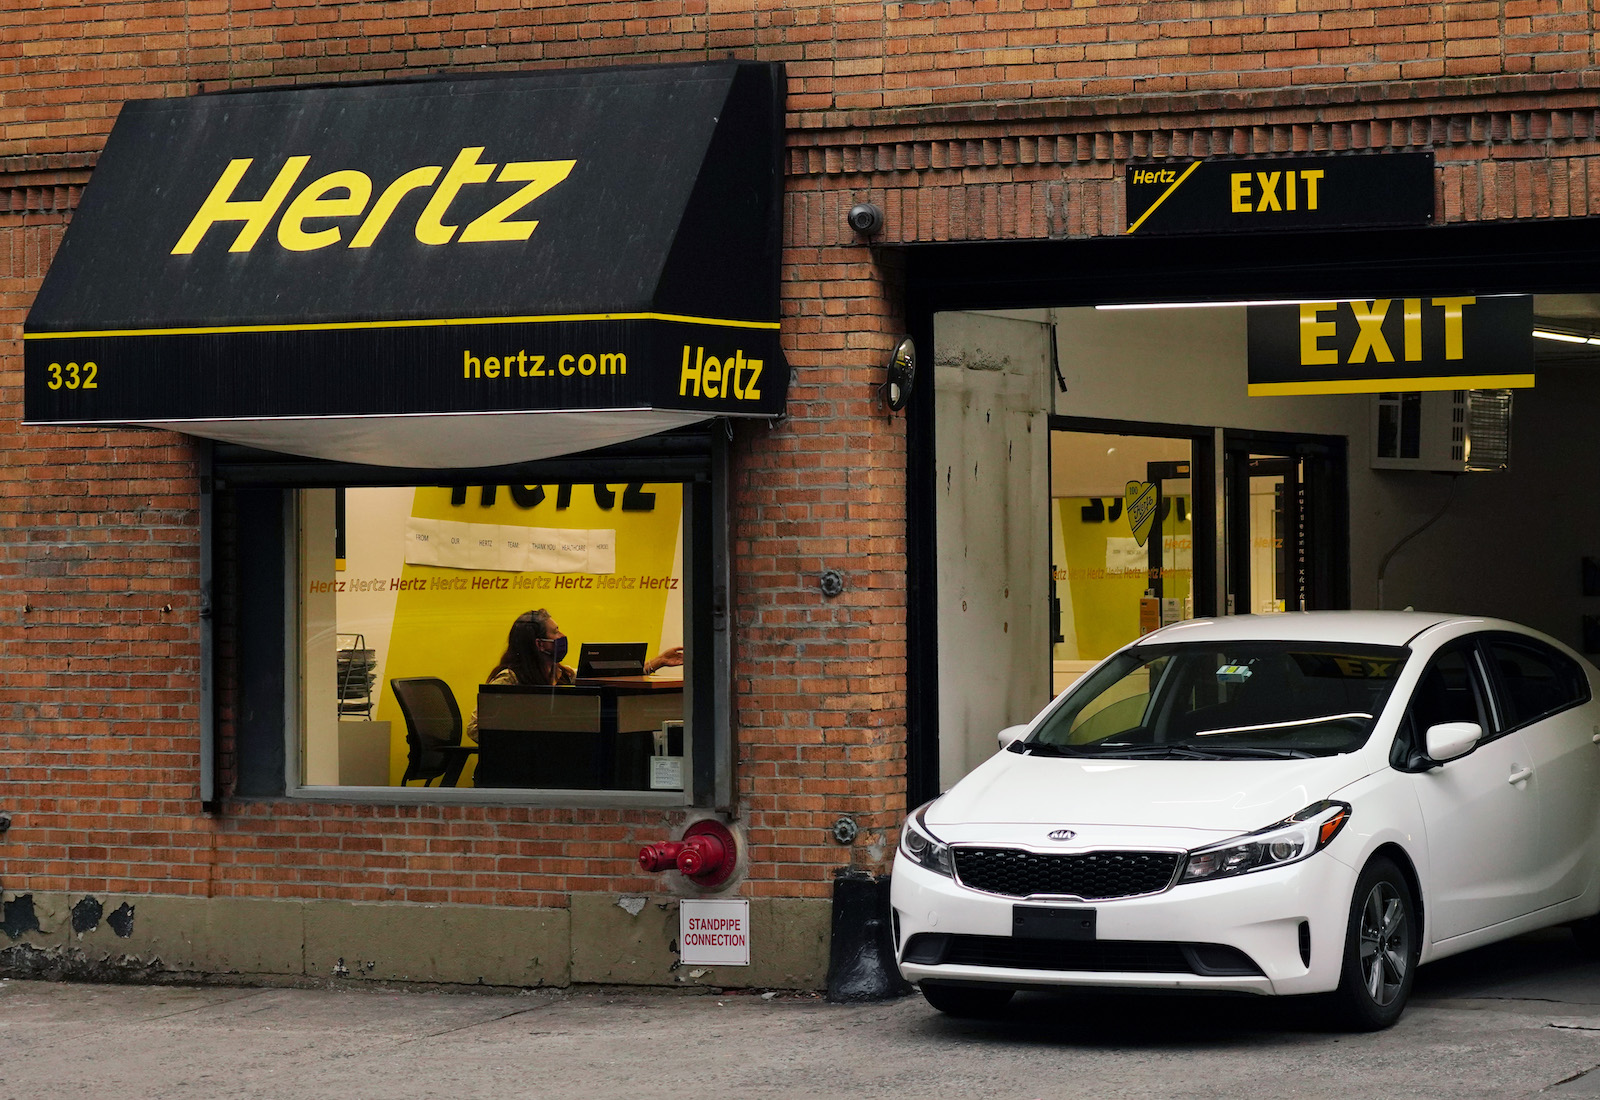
x,y
534,650
533,655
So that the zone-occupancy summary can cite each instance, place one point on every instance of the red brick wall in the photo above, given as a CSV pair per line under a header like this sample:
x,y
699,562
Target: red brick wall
x,y
64,69
964,119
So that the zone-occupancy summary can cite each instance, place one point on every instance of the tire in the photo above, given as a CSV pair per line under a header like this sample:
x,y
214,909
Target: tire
x,y
1587,933
966,1001
1383,942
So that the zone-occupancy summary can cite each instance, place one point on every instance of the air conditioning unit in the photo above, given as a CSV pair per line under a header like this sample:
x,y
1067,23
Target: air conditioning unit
x,y
1452,431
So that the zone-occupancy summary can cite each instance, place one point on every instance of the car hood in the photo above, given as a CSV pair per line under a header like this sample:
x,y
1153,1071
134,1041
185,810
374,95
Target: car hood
x,y
1225,797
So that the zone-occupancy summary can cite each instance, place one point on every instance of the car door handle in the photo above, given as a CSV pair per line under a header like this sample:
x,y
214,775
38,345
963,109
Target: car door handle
x,y
1519,775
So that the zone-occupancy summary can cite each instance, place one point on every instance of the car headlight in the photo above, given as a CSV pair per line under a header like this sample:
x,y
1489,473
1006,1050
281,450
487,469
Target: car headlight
x,y
1289,841
922,848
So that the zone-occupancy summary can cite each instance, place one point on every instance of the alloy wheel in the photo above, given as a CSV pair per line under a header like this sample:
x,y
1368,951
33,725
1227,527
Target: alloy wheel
x,y
1385,946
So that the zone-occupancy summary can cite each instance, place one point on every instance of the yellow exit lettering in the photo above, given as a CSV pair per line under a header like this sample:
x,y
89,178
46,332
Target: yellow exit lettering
x,y
1256,192
1370,342
346,194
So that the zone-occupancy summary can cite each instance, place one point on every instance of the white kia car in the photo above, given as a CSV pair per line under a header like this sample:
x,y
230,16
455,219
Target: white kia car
x,y
1280,804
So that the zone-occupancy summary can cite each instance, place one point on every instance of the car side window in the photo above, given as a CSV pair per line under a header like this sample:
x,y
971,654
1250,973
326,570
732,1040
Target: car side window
x,y
1449,691
1534,680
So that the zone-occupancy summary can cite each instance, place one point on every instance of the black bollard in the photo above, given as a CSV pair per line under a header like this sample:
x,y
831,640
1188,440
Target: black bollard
x,y
861,965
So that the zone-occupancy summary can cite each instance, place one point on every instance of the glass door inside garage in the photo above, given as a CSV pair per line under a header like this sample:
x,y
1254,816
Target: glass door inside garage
x,y
1123,535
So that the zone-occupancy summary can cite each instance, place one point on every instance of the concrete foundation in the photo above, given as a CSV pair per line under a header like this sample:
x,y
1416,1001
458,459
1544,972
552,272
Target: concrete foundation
x,y
600,940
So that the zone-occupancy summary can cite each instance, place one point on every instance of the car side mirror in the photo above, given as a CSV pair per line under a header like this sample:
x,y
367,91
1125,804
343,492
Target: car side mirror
x,y
1012,734
1448,740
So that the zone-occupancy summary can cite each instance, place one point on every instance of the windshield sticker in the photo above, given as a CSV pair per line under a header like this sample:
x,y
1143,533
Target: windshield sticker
x,y
1233,674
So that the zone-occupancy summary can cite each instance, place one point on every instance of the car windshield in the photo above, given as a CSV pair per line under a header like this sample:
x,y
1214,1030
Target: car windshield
x,y
1223,701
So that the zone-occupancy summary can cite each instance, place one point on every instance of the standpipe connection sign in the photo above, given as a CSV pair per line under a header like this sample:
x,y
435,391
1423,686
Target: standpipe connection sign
x,y
1381,345
1280,193
602,240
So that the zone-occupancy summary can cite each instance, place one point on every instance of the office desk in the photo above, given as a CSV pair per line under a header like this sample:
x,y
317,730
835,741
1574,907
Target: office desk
x,y
597,735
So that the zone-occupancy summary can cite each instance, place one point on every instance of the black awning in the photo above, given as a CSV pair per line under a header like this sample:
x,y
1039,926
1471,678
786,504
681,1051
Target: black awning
x,y
345,271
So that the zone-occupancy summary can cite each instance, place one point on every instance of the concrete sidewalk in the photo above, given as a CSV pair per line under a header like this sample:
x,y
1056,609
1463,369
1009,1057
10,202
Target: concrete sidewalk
x,y
1515,1020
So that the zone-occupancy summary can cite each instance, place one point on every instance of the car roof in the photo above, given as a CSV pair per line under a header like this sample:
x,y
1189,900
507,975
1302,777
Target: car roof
x,y
1390,628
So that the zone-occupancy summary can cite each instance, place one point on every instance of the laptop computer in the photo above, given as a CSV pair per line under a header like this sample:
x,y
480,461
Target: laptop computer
x,y
610,659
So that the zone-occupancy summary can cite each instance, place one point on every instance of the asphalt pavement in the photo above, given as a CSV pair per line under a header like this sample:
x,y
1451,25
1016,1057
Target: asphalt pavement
x,y
1519,1019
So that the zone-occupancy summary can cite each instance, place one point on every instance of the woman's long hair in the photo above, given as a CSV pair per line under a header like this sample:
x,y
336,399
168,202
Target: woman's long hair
x,y
523,658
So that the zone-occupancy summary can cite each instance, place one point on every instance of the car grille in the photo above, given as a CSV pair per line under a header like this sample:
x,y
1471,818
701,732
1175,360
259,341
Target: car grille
x,y
1090,956
1092,876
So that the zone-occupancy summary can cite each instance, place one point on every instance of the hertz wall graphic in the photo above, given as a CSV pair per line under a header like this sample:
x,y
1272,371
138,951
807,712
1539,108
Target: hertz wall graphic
x,y
597,242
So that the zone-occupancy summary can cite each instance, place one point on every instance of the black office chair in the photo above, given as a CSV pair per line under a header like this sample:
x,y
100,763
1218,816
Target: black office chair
x,y
433,730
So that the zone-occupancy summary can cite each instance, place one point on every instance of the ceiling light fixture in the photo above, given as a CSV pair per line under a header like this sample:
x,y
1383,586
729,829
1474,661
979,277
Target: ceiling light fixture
x,y
1565,337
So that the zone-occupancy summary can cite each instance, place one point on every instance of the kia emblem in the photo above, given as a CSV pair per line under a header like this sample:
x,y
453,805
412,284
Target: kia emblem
x,y
1062,834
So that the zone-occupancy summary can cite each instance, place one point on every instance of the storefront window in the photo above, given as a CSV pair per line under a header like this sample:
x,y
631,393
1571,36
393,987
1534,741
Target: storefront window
x,y
429,616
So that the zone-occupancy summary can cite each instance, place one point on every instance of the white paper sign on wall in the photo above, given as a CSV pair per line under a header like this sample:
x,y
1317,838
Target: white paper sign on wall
x,y
714,932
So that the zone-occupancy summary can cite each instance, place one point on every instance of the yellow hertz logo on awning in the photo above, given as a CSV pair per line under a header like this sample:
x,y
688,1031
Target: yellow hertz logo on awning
x,y
347,194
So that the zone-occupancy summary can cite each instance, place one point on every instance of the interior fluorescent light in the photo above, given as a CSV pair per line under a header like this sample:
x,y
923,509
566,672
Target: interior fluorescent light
x,y
1266,302
1564,337
1216,305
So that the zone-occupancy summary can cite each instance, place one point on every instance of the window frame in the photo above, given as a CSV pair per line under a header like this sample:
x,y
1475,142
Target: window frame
x,y
268,727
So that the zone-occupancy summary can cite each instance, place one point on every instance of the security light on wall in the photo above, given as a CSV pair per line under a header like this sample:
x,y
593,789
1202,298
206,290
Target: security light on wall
x,y
902,371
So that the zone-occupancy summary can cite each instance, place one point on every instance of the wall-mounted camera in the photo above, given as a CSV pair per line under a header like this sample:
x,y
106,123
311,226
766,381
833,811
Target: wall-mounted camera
x,y
866,218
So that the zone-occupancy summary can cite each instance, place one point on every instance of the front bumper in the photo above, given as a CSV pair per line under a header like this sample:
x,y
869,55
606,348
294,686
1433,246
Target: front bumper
x,y
1258,915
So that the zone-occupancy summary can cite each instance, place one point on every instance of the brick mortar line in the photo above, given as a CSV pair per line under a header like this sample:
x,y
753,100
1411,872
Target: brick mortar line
x,y
1183,113
1425,96
1001,146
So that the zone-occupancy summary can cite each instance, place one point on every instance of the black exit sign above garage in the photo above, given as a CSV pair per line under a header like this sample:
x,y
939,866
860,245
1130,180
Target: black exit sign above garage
x,y
1228,195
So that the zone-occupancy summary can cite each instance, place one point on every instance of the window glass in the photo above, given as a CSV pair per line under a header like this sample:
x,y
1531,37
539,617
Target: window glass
x,y
1252,699
1119,708
1535,680
1446,693
1449,691
520,636
1122,543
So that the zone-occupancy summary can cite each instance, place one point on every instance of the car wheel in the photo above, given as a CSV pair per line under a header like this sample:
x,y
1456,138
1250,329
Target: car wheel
x,y
966,1000
1381,949
1587,933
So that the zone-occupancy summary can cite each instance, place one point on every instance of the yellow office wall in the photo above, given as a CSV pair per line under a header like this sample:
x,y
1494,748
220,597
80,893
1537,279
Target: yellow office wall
x,y
452,623
1104,600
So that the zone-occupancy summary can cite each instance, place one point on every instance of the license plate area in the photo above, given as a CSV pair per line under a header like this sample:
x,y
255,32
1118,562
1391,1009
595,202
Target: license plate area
x,y
1048,922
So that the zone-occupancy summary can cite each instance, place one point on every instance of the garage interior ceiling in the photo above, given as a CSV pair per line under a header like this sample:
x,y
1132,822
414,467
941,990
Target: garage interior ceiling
x,y
1572,314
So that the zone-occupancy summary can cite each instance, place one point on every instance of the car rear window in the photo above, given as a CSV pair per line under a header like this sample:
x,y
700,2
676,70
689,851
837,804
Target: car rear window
x,y
1535,680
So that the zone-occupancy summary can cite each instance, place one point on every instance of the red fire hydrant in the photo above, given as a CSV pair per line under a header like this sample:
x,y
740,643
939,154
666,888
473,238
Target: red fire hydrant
x,y
706,855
